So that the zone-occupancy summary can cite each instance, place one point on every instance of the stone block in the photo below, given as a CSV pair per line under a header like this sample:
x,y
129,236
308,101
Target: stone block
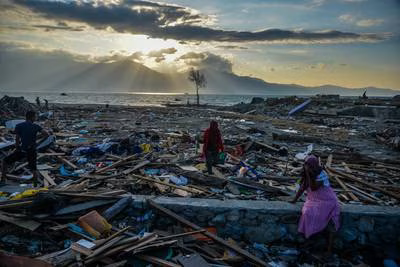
x,y
219,219
251,215
234,230
233,216
349,234
265,233
366,224
204,215
267,218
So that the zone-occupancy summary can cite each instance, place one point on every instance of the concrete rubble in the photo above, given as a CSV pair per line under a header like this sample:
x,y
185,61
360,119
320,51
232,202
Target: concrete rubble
x,y
103,157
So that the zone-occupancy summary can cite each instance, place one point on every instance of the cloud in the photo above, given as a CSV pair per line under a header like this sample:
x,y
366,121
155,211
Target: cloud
x,y
168,21
298,52
159,55
235,47
60,26
20,49
354,1
348,18
207,61
369,22
318,66
116,56
316,3
193,55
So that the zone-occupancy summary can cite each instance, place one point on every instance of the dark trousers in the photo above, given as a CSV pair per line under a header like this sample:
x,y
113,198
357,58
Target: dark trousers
x,y
211,159
17,155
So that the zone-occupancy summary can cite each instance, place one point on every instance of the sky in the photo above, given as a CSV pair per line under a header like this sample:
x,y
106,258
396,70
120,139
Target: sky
x,y
350,43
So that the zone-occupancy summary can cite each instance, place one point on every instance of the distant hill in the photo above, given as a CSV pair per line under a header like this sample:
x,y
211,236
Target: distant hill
x,y
63,73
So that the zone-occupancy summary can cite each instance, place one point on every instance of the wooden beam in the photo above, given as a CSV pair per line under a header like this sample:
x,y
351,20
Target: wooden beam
x,y
372,197
343,186
354,179
217,239
137,166
185,188
157,261
115,164
24,223
47,178
329,160
64,160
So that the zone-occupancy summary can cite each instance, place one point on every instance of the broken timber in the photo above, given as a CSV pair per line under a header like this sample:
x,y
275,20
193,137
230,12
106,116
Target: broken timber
x,y
217,239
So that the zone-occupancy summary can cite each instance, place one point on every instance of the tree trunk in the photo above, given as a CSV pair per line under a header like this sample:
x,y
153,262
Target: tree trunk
x,y
197,93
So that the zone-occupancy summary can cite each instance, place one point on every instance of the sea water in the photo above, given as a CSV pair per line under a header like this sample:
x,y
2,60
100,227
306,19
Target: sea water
x,y
132,99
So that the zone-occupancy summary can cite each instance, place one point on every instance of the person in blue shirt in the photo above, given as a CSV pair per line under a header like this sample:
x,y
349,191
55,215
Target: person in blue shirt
x,y
25,145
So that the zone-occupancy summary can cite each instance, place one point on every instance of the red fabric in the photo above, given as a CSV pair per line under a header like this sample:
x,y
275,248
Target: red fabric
x,y
212,134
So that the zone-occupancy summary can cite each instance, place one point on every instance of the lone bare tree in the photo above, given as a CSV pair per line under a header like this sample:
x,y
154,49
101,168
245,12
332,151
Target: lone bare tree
x,y
199,80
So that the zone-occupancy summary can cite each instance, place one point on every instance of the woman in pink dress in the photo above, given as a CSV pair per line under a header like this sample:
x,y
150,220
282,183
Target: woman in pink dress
x,y
321,208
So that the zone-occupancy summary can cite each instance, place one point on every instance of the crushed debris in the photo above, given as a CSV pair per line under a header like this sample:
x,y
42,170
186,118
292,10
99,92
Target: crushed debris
x,y
98,157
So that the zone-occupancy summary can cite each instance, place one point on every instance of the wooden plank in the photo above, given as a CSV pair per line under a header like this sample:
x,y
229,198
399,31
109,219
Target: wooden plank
x,y
106,246
50,154
58,227
83,206
193,260
267,146
194,191
354,179
329,160
24,223
16,204
64,160
374,198
81,249
115,164
217,239
26,163
125,243
117,264
181,235
343,186
47,178
346,168
114,156
138,166
154,246
157,261
142,242
102,242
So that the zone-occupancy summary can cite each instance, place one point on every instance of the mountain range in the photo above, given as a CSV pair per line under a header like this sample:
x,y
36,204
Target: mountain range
x,y
63,73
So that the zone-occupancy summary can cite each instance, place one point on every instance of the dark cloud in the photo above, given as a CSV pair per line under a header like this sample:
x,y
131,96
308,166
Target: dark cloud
x,y
174,22
60,26
207,61
231,47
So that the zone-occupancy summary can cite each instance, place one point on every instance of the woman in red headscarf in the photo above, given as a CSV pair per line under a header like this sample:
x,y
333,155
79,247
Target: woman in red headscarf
x,y
321,208
212,145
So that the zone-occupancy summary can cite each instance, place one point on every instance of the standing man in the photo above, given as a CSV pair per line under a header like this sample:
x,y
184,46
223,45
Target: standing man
x,y
46,104
212,145
25,145
38,102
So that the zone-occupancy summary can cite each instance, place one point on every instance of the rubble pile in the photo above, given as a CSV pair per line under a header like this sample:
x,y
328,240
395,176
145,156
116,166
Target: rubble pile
x,y
390,136
15,106
103,156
